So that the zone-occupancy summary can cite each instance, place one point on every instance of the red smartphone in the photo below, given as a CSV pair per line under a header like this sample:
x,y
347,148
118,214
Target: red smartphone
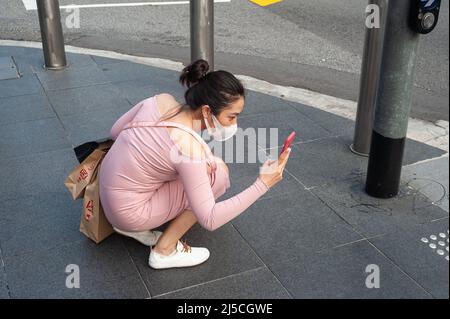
x,y
288,142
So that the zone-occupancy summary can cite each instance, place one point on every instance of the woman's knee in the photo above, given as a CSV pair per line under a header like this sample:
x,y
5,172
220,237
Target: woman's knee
x,y
220,161
222,178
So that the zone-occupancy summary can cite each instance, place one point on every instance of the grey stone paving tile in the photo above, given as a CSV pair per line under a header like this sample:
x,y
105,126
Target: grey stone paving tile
x,y
25,108
282,122
26,138
4,290
431,178
254,284
340,273
83,100
229,255
424,264
36,173
105,271
33,63
334,123
93,125
6,50
8,69
373,216
259,103
319,162
414,151
289,185
102,60
345,128
137,90
126,71
39,222
27,84
72,78
244,172
280,227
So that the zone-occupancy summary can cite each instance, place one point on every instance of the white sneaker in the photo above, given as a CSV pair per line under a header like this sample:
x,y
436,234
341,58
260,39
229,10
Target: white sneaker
x,y
148,238
183,256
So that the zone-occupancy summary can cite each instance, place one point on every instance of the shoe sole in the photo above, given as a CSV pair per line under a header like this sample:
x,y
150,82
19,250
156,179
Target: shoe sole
x,y
161,268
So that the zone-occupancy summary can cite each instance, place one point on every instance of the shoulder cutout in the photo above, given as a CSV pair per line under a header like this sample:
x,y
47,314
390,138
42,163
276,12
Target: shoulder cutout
x,y
187,144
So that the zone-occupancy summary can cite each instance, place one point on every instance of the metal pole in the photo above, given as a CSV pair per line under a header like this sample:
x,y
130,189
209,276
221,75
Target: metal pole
x,y
393,102
370,73
52,34
202,31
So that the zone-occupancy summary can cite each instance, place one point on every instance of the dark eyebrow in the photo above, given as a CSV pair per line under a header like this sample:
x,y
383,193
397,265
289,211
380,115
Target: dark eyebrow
x,y
236,113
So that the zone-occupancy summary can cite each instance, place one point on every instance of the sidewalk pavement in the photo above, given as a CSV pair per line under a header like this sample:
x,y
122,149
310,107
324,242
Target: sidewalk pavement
x,y
312,236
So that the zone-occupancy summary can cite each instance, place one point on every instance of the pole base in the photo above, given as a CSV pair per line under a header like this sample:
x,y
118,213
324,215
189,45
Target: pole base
x,y
385,166
352,148
55,68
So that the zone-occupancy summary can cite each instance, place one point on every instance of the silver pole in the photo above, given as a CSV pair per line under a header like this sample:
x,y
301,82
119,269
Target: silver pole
x,y
202,31
52,34
370,74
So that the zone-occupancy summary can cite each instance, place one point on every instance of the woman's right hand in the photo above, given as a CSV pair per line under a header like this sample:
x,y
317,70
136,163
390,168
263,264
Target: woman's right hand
x,y
271,173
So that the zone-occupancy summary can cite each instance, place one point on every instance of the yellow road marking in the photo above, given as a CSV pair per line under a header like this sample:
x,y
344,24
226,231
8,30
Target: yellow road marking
x,y
265,3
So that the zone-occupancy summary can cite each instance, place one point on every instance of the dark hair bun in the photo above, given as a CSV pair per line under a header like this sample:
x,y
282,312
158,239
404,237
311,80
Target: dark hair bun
x,y
194,72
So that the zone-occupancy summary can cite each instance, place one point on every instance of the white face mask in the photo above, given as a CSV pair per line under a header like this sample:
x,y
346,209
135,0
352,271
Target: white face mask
x,y
218,132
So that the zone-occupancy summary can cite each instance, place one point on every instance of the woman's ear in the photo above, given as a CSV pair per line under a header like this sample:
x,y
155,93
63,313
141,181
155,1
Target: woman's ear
x,y
205,111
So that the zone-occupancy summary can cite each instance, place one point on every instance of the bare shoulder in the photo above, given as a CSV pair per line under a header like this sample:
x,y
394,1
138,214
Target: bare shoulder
x,y
165,101
187,144
165,96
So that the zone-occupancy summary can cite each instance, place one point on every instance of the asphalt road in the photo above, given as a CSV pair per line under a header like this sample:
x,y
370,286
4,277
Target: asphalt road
x,y
315,45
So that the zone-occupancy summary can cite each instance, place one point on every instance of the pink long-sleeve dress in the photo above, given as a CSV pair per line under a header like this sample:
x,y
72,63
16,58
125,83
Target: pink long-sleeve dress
x,y
142,186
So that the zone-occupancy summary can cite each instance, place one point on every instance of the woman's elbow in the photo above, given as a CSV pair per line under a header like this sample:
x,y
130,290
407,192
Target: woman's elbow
x,y
208,225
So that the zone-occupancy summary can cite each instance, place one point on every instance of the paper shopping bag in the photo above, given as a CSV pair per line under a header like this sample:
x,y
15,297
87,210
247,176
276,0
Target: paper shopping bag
x,y
81,175
93,220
